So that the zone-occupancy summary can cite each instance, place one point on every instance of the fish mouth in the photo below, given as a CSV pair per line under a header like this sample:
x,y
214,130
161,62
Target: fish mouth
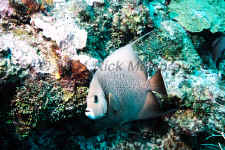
x,y
91,115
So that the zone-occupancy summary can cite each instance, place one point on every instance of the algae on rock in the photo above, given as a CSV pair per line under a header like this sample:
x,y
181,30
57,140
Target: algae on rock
x,y
38,103
113,25
171,43
195,15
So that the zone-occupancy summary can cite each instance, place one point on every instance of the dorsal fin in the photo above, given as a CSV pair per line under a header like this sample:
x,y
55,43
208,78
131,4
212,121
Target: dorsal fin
x,y
157,83
113,102
138,39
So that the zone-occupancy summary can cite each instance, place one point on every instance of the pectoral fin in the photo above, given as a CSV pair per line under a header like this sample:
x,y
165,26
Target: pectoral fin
x,y
114,103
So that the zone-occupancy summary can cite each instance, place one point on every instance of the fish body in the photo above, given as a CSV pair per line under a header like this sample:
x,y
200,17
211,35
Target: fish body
x,y
120,90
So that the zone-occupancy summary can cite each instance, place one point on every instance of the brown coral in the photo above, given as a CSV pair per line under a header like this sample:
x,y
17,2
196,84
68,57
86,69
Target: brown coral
x,y
79,71
32,6
72,73
173,142
186,122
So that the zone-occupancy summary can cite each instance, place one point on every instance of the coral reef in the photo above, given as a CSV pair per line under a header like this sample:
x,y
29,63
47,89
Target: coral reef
x,y
184,75
172,141
186,122
24,54
67,35
122,138
64,31
111,28
46,63
41,98
5,9
32,104
196,15
172,44
131,19
21,53
158,11
40,102
31,6
17,57
92,2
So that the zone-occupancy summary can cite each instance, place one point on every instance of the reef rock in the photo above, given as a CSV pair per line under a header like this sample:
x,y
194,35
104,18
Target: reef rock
x,y
17,57
112,25
91,2
22,55
158,11
41,101
170,49
64,32
196,16
60,26
5,8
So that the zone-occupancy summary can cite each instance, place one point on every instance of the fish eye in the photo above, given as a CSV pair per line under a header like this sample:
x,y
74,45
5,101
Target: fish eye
x,y
95,99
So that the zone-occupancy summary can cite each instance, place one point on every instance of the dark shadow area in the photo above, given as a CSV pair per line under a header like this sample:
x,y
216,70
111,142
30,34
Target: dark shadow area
x,y
60,135
204,45
197,141
8,138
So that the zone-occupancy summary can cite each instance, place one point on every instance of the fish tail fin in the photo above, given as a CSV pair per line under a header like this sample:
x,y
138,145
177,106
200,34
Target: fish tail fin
x,y
166,103
163,105
157,105
156,83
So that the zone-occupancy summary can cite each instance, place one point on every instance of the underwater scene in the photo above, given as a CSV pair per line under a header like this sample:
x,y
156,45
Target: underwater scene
x,y
112,74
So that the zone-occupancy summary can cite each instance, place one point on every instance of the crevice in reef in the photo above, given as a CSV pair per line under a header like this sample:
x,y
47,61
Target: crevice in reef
x,y
203,43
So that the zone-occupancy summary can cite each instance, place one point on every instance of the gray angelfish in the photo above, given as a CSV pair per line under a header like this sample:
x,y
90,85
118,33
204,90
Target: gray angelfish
x,y
120,90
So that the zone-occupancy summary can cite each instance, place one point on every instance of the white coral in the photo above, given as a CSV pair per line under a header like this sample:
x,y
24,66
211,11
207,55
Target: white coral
x,y
5,9
23,55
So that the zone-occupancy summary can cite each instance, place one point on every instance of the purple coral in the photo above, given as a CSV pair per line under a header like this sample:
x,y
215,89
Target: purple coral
x,y
5,8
